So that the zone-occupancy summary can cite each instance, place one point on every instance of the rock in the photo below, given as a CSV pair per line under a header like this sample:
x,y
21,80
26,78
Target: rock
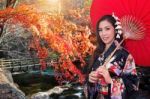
x,y
8,90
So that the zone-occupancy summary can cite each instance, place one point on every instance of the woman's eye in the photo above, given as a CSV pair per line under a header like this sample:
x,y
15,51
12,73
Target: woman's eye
x,y
107,28
100,30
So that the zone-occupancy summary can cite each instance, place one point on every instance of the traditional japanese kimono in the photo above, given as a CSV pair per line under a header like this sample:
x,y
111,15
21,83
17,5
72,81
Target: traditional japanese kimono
x,y
123,73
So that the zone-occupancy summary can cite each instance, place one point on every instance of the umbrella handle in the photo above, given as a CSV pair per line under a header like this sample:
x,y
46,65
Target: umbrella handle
x,y
111,55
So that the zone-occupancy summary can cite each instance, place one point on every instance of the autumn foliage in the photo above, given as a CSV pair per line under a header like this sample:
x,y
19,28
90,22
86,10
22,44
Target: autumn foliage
x,y
64,37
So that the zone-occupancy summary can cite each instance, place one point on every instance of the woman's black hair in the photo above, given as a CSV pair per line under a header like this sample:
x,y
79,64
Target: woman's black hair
x,y
100,44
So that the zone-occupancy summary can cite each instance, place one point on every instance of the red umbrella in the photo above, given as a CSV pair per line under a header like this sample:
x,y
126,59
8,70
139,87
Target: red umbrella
x,y
135,14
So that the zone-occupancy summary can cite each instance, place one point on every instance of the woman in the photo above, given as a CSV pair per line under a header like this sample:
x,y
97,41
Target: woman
x,y
116,79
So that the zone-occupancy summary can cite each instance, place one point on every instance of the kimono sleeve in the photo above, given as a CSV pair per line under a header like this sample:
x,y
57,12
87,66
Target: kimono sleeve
x,y
126,79
129,75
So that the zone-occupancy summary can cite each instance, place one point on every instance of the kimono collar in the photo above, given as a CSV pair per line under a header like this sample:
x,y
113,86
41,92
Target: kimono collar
x,y
109,50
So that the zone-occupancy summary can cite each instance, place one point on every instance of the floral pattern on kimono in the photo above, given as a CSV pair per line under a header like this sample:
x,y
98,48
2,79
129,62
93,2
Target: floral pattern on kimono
x,y
123,73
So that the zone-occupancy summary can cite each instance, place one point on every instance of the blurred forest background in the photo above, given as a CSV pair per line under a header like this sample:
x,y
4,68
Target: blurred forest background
x,y
45,37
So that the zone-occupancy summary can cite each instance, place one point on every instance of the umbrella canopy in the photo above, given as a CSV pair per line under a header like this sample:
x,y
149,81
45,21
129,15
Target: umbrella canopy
x,y
135,13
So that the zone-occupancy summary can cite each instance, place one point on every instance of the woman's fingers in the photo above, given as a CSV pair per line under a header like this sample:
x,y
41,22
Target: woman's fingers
x,y
101,70
93,77
92,80
104,72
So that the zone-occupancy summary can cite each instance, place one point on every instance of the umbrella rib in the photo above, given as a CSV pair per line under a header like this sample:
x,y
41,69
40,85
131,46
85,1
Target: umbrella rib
x,y
130,7
141,9
123,5
143,17
135,7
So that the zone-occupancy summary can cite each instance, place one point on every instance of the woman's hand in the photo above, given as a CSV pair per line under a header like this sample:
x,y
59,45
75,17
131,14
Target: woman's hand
x,y
93,77
102,71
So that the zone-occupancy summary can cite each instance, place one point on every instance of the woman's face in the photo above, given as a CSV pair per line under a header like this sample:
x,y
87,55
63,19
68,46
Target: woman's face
x,y
106,32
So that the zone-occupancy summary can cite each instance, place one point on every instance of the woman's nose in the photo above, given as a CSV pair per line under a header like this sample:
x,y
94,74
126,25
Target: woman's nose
x,y
103,32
